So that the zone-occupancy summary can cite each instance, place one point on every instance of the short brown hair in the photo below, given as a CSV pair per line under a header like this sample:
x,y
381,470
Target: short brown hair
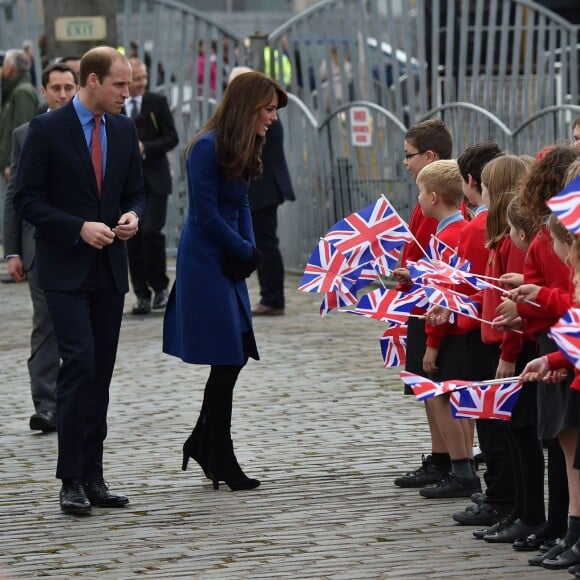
x,y
58,67
475,157
98,61
431,135
443,177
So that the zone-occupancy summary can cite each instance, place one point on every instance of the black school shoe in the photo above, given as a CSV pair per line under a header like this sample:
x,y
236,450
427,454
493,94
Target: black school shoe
x,y
558,548
480,515
452,486
510,534
426,474
503,523
569,557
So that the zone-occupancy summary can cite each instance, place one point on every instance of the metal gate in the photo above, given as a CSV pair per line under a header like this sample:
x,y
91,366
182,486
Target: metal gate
x,y
505,70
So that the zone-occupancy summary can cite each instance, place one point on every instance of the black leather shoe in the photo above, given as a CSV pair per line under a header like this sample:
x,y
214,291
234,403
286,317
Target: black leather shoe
x,y
574,569
426,474
43,421
479,515
160,299
560,546
142,306
531,544
73,499
510,534
569,557
507,521
100,496
477,497
452,486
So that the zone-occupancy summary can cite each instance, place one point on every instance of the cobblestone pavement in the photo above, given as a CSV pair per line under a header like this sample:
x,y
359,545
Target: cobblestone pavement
x,y
318,420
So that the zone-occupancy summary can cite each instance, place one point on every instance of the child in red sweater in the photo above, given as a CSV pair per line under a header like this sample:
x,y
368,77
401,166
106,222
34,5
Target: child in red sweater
x,y
425,143
440,196
558,415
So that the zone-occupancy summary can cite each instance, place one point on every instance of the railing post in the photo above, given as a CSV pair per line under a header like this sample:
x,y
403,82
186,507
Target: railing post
x,y
257,44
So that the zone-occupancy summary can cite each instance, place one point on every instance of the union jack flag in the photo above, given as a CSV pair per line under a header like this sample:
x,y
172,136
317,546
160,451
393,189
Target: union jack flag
x,y
384,265
325,270
425,272
336,300
390,305
394,346
454,301
486,401
566,206
566,334
424,388
440,251
370,233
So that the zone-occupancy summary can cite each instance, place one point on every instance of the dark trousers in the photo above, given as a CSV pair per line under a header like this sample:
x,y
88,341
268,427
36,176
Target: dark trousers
x,y
147,259
87,324
271,269
44,361
492,434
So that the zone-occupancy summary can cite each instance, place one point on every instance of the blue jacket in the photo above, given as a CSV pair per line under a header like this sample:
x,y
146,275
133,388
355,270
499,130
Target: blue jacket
x,y
207,312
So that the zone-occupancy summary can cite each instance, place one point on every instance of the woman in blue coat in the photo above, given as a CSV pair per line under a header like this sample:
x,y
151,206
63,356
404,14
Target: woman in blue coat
x,y
208,317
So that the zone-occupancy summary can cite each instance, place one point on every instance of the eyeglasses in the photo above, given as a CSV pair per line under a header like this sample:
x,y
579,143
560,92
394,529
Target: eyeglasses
x,y
411,155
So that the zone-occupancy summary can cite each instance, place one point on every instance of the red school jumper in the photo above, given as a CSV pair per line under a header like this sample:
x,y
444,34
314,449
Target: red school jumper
x,y
449,235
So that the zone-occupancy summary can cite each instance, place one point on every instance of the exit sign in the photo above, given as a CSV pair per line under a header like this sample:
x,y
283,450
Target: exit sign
x,y
81,28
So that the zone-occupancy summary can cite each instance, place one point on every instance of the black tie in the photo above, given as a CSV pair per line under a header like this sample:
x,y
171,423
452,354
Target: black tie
x,y
134,108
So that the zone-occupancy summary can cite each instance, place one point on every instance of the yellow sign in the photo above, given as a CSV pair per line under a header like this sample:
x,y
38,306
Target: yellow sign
x,y
81,28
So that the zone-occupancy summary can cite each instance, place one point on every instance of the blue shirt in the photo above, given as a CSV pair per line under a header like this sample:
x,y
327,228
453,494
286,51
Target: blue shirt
x,y
88,124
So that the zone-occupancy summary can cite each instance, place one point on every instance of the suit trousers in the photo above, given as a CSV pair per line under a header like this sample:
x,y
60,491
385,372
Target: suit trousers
x,y
271,268
87,323
44,361
147,257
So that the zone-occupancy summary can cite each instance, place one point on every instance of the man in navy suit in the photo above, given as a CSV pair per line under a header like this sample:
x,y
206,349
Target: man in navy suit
x,y
80,184
266,193
157,136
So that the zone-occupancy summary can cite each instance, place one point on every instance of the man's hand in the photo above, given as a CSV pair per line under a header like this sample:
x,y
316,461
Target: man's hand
x,y
127,226
429,360
7,172
97,234
16,269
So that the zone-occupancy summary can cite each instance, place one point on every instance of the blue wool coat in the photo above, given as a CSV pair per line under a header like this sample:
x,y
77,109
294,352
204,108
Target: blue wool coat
x,y
207,312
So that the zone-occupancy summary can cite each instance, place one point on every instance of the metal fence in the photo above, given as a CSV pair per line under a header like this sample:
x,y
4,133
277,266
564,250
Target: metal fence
x,y
505,70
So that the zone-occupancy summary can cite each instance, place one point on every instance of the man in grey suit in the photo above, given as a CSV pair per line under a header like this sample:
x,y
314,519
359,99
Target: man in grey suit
x,y
59,85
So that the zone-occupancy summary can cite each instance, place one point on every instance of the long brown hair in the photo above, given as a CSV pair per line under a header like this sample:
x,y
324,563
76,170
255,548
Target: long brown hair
x,y
500,176
545,179
234,121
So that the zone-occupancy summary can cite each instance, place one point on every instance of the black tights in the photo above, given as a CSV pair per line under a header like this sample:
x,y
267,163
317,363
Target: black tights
x,y
528,462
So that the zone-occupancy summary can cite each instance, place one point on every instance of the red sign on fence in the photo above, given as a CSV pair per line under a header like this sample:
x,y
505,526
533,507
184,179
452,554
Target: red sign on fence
x,y
360,127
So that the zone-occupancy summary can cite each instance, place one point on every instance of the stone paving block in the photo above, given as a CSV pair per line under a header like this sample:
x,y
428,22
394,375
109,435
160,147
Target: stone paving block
x,y
318,420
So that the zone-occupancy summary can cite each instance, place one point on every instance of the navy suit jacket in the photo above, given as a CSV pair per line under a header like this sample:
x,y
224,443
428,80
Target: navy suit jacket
x,y
56,191
156,130
274,185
